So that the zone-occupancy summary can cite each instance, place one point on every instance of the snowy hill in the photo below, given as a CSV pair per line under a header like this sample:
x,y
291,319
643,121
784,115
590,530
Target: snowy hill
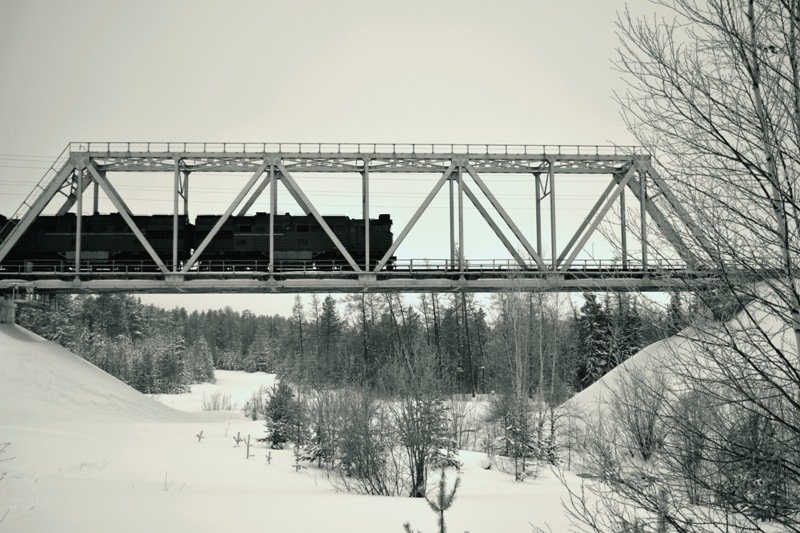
x,y
683,352
42,382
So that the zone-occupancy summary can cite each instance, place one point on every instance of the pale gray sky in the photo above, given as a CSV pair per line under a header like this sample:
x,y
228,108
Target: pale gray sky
x,y
346,71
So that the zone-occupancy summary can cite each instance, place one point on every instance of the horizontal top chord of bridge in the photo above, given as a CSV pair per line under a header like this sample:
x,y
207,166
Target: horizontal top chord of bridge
x,y
364,149
356,157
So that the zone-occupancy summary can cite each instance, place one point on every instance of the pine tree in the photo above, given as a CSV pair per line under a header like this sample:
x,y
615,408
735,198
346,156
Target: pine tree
x,y
593,338
284,417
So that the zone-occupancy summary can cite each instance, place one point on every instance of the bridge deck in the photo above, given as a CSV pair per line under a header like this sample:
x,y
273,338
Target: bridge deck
x,y
405,276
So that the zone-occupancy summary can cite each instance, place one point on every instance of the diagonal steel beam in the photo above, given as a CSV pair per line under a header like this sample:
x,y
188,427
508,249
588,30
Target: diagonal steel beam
x,y
225,216
113,195
493,225
41,201
256,194
586,220
676,204
309,208
620,186
421,209
514,229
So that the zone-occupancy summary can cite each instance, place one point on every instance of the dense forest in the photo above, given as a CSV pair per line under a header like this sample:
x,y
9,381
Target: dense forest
x,y
377,341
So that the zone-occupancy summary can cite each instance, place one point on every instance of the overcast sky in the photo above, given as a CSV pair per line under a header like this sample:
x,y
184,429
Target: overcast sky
x,y
346,71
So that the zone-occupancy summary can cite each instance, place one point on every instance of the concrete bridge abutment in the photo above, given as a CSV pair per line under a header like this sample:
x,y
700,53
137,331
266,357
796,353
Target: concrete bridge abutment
x,y
8,311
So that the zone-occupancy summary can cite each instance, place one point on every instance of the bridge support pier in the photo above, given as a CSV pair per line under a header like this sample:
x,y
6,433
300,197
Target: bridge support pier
x,y
8,311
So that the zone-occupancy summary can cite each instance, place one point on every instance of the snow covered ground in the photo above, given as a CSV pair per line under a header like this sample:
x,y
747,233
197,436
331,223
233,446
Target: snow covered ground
x,y
236,386
90,454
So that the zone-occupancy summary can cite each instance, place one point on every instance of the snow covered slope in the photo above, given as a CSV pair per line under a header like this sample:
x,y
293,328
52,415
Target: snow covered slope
x,y
42,382
683,352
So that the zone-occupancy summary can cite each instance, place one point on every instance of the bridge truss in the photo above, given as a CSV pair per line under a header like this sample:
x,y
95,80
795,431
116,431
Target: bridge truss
x,y
466,170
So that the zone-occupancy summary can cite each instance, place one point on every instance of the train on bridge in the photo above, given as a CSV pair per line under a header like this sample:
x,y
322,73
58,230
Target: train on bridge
x,y
107,242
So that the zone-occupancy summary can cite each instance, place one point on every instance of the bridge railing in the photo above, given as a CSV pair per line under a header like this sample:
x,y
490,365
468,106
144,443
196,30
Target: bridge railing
x,y
355,148
402,266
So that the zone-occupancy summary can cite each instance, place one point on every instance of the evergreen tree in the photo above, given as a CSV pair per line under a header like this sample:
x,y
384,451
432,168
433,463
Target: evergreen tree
x,y
593,339
284,417
329,331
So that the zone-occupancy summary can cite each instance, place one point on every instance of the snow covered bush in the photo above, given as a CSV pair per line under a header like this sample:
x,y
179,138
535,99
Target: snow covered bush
x,y
517,438
638,406
325,414
217,401
254,406
422,430
367,462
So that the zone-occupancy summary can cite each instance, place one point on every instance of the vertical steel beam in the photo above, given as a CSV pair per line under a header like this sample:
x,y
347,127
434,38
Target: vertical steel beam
x,y
623,217
225,216
538,206
452,225
113,195
186,193
96,206
643,216
421,209
365,210
460,221
175,205
553,245
273,207
78,220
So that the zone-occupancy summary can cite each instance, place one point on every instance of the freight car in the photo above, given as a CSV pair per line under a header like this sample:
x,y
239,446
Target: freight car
x,y
300,242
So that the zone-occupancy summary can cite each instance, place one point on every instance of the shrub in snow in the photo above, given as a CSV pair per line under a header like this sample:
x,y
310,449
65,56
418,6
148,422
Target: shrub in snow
x,y
422,430
254,407
517,437
325,414
637,406
463,424
217,401
366,461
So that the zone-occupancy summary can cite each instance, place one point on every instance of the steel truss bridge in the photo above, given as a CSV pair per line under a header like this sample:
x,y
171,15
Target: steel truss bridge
x,y
86,165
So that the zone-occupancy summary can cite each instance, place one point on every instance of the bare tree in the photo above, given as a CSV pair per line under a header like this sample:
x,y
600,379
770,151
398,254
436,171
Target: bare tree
x,y
714,91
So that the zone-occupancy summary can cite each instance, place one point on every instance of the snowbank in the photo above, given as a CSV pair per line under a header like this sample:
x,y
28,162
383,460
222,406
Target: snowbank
x,y
42,382
683,354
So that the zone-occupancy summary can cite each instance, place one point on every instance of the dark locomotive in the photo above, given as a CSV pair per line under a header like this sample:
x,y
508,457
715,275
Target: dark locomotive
x,y
242,241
